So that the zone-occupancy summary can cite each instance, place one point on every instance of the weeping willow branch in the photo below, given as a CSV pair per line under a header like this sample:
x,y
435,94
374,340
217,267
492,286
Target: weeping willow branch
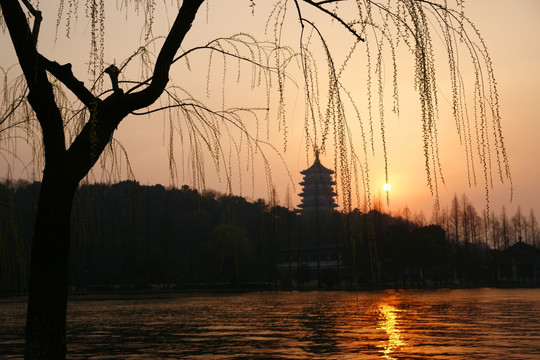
x,y
334,16
391,23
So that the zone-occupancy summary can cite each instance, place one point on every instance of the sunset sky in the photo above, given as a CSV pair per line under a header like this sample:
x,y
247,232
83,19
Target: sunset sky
x,y
510,30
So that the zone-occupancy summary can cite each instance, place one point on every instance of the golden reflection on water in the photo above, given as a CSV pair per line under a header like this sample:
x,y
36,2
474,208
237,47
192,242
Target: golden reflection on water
x,y
388,321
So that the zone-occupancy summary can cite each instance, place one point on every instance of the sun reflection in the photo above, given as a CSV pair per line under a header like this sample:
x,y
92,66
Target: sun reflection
x,y
388,322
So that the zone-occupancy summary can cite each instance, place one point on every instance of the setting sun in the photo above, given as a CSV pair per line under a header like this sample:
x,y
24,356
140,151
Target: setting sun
x,y
386,187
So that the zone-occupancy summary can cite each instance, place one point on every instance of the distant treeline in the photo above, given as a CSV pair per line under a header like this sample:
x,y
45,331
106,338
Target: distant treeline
x,y
131,236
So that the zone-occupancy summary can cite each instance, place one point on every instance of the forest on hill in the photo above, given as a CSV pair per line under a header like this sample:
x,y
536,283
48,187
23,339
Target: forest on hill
x,y
131,236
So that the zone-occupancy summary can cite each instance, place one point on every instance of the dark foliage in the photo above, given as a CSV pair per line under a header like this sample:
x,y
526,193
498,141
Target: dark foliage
x,y
130,236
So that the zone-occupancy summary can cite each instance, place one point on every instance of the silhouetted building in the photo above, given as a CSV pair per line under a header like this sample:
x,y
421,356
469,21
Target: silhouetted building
x,y
317,189
520,263
315,259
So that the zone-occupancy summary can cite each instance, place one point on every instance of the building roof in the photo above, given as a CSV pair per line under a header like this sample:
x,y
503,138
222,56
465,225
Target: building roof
x,y
317,167
522,249
317,187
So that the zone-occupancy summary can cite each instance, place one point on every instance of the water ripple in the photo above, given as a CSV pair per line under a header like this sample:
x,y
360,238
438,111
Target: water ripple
x,y
442,324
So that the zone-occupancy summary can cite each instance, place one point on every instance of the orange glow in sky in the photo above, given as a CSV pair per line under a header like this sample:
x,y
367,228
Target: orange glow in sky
x,y
509,29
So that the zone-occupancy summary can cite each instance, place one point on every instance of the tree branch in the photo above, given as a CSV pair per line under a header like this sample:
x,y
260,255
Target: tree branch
x,y
65,75
205,47
327,2
113,72
37,21
12,110
40,91
107,114
179,29
319,4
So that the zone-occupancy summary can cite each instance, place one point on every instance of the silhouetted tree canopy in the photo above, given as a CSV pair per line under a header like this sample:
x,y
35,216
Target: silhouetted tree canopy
x,y
129,236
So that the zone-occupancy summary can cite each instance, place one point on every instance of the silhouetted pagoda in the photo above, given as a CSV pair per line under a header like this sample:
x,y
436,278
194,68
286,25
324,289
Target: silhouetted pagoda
x,y
317,189
315,258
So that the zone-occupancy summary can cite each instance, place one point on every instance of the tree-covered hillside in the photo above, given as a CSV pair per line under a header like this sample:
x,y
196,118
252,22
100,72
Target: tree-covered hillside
x,y
131,236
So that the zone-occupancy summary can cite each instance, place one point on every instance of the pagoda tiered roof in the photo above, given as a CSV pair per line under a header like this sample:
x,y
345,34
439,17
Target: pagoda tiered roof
x,y
317,188
317,167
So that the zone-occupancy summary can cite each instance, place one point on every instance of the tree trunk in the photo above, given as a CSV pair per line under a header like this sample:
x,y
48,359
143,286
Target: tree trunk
x,y
48,290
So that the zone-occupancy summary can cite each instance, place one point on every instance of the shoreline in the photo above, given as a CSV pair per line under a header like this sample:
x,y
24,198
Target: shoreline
x,y
132,293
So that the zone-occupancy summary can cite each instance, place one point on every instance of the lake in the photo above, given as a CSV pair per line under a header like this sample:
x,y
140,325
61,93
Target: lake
x,y
405,324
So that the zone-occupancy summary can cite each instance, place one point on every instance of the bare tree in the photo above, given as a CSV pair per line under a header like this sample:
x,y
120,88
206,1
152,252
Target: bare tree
x,y
77,128
486,223
534,228
474,224
505,228
518,225
496,232
455,214
465,221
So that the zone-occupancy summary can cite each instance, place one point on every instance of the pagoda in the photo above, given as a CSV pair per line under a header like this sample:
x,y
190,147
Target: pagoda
x,y
314,259
317,189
